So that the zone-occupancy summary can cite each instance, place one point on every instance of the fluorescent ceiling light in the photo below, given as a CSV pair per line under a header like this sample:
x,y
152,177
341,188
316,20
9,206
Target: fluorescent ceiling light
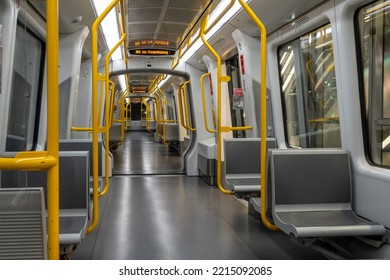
x,y
214,14
194,48
109,26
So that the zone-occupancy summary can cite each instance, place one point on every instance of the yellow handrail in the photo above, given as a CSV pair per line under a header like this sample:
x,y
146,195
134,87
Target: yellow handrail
x,y
28,161
155,112
163,112
188,125
53,197
161,98
107,115
147,110
180,101
101,79
127,115
47,160
122,116
263,117
111,112
95,120
190,43
157,108
204,104
112,102
220,128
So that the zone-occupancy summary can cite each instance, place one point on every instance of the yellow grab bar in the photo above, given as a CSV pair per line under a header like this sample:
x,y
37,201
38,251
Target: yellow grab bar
x,y
220,128
89,129
191,42
49,160
28,161
204,103
188,125
127,115
53,197
101,79
163,112
180,99
107,115
155,111
95,120
263,115
112,102
157,108
122,116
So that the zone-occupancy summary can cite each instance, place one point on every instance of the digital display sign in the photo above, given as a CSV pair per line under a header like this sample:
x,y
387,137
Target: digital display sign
x,y
152,52
151,43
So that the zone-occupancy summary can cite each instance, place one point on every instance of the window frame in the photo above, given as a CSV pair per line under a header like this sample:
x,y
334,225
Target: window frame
x,y
365,119
300,79
40,85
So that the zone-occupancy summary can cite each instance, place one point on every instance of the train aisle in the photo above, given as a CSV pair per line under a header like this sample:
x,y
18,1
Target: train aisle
x,y
140,154
178,217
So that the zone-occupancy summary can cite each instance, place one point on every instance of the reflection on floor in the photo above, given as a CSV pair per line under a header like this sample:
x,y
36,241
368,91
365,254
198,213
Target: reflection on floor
x,y
140,154
177,217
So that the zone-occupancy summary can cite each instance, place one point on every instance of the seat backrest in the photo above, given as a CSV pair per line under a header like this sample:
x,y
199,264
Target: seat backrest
x,y
22,224
83,145
242,155
310,176
74,179
171,132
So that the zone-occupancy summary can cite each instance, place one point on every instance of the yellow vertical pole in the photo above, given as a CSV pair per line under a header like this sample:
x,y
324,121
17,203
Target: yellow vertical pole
x,y
53,201
263,115
95,120
219,105
111,103
107,113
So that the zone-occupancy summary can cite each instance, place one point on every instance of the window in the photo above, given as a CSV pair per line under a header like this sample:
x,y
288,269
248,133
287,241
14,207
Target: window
x,y
374,31
309,93
236,96
26,88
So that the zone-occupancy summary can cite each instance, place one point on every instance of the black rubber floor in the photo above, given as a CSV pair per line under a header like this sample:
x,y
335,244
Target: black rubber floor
x,y
178,217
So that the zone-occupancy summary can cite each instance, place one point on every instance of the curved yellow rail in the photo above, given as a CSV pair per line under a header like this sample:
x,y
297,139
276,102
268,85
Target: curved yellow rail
x,y
219,101
95,120
186,109
107,115
180,99
263,115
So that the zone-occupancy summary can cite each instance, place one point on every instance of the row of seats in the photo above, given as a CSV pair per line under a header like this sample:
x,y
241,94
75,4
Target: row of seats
x,y
75,162
310,189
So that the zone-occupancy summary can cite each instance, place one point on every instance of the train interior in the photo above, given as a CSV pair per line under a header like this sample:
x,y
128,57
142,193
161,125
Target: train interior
x,y
194,130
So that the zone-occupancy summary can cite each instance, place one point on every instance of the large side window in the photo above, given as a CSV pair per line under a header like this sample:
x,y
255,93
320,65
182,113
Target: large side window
x,y
309,93
26,88
374,29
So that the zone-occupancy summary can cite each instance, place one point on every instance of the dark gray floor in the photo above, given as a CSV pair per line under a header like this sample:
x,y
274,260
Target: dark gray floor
x,y
178,217
140,154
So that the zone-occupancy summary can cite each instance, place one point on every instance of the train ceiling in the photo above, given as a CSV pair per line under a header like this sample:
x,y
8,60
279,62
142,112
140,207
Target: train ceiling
x,y
164,20
161,24
171,21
